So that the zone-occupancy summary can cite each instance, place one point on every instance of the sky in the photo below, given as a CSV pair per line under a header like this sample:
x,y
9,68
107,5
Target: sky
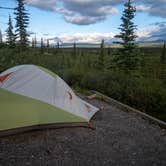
x,y
88,21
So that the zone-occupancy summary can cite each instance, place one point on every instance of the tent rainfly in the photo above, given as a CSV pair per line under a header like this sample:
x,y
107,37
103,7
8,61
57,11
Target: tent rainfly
x,y
32,97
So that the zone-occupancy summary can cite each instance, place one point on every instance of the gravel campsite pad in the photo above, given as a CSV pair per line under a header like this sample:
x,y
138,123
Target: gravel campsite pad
x,y
120,139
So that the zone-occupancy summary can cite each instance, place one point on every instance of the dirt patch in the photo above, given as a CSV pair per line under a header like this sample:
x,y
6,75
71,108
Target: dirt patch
x,y
120,139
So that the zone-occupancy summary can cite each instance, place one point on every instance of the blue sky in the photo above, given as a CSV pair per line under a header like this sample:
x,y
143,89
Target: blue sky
x,y
89,20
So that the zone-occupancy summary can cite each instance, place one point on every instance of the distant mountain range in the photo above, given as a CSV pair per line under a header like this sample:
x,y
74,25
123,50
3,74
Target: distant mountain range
x,y
80,44
157,43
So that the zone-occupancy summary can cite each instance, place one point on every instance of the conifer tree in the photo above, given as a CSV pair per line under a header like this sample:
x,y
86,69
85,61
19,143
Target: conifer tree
x,y
35,42
42,45
22,21
58,45
163,54
48,44
1,40
127,57
10,36
101,58
74,49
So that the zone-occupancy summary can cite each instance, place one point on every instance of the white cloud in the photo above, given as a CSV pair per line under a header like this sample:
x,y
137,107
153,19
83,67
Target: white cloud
x,y
84,37
147,31
154,32
82,20
84,12
157,31
143,8
153,7
81,12
42,4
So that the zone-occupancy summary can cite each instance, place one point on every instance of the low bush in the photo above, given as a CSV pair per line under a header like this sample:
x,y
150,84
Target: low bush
x,y
144,89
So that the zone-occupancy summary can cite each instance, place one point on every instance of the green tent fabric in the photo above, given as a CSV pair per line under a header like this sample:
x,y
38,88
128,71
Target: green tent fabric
x,y
32,96
23,111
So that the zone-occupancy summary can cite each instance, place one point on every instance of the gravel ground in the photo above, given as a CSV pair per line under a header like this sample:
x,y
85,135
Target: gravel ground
x,y
120,139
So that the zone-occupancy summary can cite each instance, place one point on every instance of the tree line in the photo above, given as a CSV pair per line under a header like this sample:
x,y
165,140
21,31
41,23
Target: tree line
x,y
126,58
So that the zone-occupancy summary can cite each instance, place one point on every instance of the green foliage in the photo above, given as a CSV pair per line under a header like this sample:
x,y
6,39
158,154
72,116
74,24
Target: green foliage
x,y
142,93
127,58
144,88
10,36
71,76
101,57
127,27
22,21
35,42
163,54
58,45
1,40
42,45
7,58
74,49
48,44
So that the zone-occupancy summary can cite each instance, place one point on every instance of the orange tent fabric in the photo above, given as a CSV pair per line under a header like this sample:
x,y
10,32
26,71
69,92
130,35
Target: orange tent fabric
x,y
4,77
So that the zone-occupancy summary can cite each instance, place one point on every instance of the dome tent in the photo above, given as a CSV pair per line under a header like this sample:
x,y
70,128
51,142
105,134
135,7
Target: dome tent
x,y
34,97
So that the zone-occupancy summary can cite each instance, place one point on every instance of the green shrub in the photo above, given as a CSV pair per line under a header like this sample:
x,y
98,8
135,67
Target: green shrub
x,y
144,89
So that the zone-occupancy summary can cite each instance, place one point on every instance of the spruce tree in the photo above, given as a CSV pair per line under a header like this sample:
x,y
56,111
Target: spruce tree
x,y
10,36
42,45
163,54
74,49
101,58
163,62
48,43
1,40
22,21
127,57
58,45
35,42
